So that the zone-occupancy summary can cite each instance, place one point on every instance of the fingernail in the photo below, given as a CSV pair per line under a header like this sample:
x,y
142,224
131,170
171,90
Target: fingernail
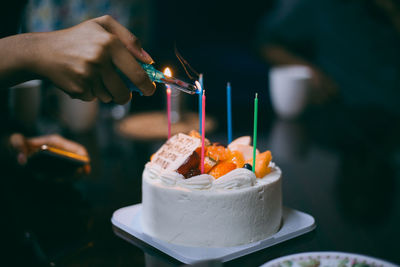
x,y
146,55
21,158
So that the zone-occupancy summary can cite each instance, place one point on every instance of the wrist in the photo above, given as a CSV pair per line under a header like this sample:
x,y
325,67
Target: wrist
x,y
32,58
15,66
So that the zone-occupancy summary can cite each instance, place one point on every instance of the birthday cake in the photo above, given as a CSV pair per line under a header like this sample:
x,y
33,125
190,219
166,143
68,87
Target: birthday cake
x,y
227,205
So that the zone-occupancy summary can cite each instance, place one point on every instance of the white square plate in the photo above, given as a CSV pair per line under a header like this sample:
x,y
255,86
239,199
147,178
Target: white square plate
x,y
294,223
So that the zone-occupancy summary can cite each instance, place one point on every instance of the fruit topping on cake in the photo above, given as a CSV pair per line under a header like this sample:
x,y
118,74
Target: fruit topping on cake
x,y
244,140
218,152
221,169
262,164
181,153
237,158
248,166
190,167
209,163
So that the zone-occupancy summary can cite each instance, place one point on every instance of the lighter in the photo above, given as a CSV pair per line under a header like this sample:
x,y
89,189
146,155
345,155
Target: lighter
x,y
159,77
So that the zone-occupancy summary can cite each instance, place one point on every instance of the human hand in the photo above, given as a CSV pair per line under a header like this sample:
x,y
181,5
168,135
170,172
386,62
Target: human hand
x,y
21,148
323,88
82,60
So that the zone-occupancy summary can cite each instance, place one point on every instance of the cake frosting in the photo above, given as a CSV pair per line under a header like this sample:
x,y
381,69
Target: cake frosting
x,y
235,209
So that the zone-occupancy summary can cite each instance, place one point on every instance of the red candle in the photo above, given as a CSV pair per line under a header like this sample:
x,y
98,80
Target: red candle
x,y
203,119
168,73
169,110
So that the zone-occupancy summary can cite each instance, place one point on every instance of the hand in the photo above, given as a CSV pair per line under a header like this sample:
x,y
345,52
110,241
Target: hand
x,y
323,88
22,147
82,60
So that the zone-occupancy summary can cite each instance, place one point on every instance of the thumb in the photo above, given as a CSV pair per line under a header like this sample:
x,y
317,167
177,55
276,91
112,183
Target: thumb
x,y
131,42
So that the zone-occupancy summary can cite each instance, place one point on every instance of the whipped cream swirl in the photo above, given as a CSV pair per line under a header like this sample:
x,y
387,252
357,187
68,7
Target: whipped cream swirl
x,y
238,178
235,179
170,177
151,171
199,182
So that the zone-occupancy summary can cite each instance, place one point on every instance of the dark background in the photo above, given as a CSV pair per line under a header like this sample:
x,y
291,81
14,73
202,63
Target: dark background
x,y
217,38
340,165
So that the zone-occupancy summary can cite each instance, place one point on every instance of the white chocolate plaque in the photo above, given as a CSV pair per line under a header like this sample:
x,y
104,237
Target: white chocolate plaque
x,y
175,151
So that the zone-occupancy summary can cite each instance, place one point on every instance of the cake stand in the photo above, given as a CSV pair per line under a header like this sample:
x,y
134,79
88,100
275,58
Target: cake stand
x,y
294,223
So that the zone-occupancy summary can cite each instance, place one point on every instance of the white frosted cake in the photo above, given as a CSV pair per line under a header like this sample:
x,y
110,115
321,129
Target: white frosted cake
x,y
228,205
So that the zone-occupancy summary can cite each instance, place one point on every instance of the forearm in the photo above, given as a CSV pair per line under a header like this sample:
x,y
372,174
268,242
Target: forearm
x,y
83,67
17,58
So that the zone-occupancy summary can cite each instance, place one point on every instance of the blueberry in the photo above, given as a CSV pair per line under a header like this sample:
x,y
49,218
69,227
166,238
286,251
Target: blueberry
x,y
248,166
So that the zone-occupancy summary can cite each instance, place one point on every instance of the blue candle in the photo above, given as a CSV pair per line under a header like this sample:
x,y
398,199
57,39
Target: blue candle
x,y
229,111
200,99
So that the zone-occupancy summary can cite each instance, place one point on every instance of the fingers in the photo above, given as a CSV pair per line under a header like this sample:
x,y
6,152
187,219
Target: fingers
x,y
115,86
58,142
19,147
130,41
101,92
124,61
324,89
94,72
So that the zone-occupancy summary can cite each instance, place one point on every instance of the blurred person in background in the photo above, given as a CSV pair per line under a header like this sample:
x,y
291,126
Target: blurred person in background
x,y
352,47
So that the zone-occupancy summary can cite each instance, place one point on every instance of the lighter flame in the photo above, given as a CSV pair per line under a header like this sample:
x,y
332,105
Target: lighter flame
x,y
198,85
167,72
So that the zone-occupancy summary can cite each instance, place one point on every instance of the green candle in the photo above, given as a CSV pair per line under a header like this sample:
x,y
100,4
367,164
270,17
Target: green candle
x,y
255,132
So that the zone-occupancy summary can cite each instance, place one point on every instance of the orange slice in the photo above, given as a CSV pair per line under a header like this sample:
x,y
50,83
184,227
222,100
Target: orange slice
x,y
209,163
219,153
237,158
222,168
262,162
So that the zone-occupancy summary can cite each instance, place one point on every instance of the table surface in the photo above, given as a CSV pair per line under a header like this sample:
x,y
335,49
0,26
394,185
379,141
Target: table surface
x,y
343,170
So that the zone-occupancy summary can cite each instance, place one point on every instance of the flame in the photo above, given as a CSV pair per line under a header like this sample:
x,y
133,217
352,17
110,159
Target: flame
x,y
198,85
167,72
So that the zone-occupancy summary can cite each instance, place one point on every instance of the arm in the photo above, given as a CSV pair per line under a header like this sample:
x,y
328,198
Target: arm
x,y
278,55
14,67
80,60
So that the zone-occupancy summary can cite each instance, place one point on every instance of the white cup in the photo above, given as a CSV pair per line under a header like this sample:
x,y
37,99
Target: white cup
x,y
290,89
77,115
